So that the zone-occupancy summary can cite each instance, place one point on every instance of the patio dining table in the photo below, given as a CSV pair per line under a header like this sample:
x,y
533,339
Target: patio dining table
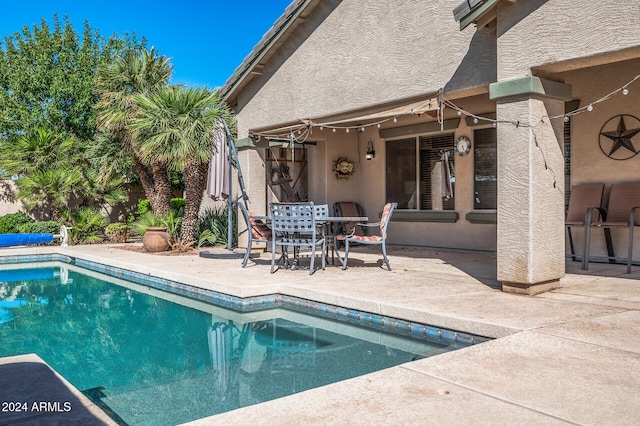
x,y
330,228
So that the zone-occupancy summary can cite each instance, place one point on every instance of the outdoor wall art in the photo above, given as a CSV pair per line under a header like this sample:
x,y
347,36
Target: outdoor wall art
x,y
617,137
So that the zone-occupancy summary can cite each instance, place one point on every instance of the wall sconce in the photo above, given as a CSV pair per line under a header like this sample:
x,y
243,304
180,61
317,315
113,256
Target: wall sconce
x,y
370,152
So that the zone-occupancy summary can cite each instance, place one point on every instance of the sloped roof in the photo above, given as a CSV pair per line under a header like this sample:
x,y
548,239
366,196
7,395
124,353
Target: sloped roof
x,y
481,12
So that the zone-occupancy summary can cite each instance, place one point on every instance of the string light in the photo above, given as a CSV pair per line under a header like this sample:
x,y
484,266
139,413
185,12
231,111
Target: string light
x,y
305,129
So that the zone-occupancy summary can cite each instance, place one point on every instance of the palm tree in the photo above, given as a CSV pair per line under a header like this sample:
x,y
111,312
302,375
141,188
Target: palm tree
x,y
139,71
51,188
36,150
176,125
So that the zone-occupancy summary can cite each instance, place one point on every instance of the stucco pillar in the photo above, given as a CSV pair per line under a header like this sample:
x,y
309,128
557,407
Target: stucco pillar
x,y
530,246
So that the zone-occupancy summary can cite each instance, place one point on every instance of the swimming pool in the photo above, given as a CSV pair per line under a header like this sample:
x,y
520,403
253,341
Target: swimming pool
x,y
153,357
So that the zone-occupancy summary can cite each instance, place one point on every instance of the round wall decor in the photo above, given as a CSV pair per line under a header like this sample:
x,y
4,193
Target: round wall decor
x,y
617,137
463,145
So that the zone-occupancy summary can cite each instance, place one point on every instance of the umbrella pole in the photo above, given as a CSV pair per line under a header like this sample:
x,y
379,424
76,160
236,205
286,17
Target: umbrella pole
x,y
231,156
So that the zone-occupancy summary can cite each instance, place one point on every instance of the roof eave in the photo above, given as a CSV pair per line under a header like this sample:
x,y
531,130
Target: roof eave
x,y
271,38
470,11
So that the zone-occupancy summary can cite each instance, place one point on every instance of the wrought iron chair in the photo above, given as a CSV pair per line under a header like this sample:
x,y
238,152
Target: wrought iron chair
x,y
369,239
256,232
584,200
624,200
294,225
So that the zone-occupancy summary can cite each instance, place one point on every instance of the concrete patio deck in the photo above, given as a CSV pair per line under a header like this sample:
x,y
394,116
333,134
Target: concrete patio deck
x,y
569,356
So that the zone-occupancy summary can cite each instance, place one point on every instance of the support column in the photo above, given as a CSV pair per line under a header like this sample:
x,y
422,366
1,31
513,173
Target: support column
x,y
530,246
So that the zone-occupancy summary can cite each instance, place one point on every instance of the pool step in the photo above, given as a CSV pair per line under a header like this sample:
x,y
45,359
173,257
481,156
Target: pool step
x,y
95,395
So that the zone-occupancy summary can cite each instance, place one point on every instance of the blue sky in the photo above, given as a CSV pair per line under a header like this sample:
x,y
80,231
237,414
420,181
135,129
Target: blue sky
x,y
206,39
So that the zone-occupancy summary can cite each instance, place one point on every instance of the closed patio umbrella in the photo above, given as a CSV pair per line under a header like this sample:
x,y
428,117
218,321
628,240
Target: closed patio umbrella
x,y
218,181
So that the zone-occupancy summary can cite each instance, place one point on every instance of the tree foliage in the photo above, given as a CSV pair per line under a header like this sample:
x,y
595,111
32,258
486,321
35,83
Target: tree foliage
x,y
176,126
139,71
48,76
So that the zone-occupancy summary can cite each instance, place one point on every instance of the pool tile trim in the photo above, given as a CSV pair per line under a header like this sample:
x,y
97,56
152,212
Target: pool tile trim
x,y
272,301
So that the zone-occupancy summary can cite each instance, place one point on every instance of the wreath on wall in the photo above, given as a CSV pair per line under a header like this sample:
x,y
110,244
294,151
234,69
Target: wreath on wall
x,y
343,168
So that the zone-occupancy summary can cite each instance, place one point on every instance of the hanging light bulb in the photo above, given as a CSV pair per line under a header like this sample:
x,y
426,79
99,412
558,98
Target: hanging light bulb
x,y
475,120
459,113
347,130
625,91
395,119
321,128
334,130
566,118
378,125
495,124
590,107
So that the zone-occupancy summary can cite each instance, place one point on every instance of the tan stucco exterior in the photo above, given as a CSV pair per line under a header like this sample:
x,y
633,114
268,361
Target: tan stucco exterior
x,y
349,58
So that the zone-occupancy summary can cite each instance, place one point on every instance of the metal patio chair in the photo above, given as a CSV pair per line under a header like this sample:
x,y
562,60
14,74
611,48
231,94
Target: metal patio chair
x,y
369,239
294,225
346,209
256,231
585,199
624,199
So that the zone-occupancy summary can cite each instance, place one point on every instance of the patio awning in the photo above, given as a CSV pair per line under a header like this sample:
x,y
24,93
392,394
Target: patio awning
x,y
361,117
416,108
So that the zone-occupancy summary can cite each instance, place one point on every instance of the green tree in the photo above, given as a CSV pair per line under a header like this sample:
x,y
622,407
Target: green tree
x,y
139,71
47,120
176,126
47,77
50,187
37,149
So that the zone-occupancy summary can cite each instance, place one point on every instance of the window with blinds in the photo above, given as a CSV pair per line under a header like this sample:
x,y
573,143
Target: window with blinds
x,y
567,164
485,163
420,172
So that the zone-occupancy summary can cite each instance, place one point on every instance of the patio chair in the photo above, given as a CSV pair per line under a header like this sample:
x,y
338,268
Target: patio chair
x,y
346,209
257,231
583,201
294,225
372,239
624,199
321,210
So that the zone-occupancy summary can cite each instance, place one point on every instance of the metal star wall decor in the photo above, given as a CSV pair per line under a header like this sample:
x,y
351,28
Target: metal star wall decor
x,y
616,137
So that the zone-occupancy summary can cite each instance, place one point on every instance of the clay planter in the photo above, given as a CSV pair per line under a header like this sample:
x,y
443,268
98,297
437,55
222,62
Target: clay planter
x,y
156,239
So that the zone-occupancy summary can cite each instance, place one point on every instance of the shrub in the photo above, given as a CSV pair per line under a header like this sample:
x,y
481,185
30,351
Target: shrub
x,y
86,225
118,232
10,223
144,206
177,204
46,227
215,220
172,221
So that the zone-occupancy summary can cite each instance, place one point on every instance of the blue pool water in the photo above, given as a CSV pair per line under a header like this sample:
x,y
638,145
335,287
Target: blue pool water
x,y
155,358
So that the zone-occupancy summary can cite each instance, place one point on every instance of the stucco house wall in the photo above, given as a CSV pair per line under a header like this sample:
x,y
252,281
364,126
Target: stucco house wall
x,y
536,33
348,58
364,53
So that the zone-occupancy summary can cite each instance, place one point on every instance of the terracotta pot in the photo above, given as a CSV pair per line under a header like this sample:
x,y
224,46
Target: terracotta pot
x,y
156,239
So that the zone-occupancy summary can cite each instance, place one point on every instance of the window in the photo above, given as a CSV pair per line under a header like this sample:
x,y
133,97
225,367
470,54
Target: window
x,y
567,164
485,165
420,172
